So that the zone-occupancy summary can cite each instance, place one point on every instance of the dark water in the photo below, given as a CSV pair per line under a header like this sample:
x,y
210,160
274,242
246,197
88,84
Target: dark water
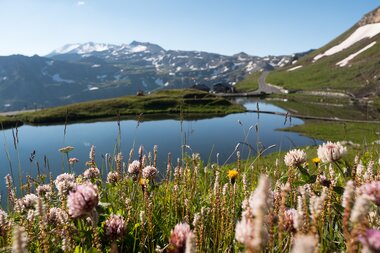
x,y
208,137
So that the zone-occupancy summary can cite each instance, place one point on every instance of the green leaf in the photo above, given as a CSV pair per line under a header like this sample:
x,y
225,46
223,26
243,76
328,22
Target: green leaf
x,y
339,190
312,179
304,171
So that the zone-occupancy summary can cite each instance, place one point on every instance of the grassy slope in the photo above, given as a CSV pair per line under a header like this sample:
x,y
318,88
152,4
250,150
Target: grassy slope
x,y
333,107
362,133
6,122
324,74
163,102
250,83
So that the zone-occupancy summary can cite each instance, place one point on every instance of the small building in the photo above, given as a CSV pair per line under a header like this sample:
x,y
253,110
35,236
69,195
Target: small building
x,y
201,87
140,93
223,88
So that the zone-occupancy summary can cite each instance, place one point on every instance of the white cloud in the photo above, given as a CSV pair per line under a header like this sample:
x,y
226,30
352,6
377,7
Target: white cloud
x,y
79,3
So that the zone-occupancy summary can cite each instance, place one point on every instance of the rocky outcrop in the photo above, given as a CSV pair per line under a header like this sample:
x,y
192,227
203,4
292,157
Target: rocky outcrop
x,y
371,18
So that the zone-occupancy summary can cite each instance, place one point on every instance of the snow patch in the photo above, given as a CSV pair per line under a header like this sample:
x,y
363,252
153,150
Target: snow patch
x,y
367,31
345,61
95,66
139,48
93,88
294,68
57,78
250,66
67,48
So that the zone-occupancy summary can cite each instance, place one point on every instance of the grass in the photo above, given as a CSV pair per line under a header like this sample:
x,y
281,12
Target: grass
x,y
166,102
7,122
194,202
324,75
333,107
250,83
362,133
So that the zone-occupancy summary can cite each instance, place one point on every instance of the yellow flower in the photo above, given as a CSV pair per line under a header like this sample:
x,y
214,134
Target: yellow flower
x,y
316,160
143,181
232,174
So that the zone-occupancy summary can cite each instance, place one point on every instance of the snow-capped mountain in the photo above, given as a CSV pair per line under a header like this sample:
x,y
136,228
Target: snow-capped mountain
x,y
79,72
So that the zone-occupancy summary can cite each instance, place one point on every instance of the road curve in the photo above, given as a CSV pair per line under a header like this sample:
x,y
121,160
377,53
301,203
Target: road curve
x,y
267,88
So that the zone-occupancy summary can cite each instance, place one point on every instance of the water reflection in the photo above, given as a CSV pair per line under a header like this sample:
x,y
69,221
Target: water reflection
x,y
209,137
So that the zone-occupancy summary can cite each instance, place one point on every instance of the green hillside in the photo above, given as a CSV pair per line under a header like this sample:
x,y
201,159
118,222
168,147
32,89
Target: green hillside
x,y
187,101
360,76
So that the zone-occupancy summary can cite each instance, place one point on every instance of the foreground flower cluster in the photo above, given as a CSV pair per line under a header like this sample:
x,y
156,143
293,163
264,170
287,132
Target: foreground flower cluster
x,y
305,204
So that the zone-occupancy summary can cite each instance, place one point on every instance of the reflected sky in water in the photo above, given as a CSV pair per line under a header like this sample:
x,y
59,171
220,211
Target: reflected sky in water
x,y
206,136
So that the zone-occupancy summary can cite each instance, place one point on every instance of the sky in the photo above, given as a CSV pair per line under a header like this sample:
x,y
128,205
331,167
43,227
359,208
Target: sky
x,y
257,27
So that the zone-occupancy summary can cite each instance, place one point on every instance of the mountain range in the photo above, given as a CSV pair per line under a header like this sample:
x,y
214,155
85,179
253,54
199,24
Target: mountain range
x,y
80,72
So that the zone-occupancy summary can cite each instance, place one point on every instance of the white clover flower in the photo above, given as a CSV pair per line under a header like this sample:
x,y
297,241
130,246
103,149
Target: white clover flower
x,y
331,152
295,157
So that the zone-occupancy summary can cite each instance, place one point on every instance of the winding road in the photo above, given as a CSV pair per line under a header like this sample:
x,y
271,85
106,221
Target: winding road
x,y
267,88
264,88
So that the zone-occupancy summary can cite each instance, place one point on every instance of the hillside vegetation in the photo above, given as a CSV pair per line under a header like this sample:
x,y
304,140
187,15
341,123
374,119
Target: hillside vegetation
x,y
186,101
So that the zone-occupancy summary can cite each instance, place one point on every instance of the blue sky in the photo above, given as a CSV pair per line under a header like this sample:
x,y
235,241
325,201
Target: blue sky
x,y
221,26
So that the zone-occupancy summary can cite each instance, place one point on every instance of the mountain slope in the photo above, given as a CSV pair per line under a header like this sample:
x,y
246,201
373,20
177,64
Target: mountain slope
x,y
81,72
350,63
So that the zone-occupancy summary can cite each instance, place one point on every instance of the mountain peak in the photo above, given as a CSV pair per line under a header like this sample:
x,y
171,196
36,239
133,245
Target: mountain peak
x,y
371,17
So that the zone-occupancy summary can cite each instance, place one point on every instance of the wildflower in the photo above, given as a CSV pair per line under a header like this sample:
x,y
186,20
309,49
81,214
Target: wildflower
x,y
83,200
316,161
178,237
149,172
112,177
4,222
348,195
20,240
44,190
91,173
66,149
372,190
244,231
360,209
143,181
115,226
304,244
251,230
57,216
29,201
317,203
64,183
331,152
92,154
232,174
190,244
134,167
73,160
295,158
371,241
289,217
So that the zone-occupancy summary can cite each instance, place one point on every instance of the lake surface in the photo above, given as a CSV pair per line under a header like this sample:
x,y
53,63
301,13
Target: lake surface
x,y
208,137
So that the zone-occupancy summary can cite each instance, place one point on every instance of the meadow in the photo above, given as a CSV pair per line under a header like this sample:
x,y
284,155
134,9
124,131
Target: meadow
x,y
315,199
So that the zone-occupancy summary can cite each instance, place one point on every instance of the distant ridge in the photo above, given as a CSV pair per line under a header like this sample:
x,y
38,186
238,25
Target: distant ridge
x,y
85,71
